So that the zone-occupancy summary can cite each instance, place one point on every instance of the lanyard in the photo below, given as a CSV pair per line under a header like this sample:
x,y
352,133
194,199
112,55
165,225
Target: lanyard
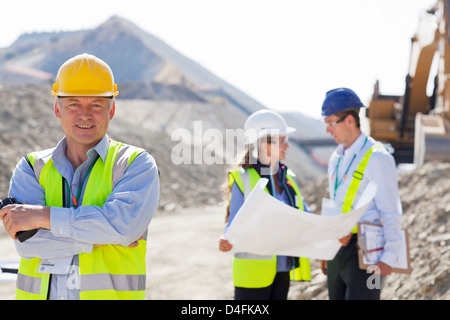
x,y
337,182
77,197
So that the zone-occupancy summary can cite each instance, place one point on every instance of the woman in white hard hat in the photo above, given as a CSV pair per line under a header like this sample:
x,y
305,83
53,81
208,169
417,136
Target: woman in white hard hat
x,y
265,277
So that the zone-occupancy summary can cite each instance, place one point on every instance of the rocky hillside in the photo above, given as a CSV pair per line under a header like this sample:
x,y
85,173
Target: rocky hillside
x,y
29,124
425,195
144,66
161,91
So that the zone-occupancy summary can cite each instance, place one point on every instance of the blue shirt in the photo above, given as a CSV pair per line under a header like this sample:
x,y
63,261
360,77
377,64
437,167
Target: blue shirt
x,y
386,206
76,230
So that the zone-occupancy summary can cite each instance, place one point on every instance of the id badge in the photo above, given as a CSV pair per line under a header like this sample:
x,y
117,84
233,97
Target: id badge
x,y
330,208
55,266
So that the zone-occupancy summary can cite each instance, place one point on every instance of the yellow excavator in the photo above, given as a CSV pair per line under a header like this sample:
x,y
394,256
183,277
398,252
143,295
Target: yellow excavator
x,y
416,125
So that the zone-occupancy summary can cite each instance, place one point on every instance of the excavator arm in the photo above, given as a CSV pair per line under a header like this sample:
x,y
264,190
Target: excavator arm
x,y
415,125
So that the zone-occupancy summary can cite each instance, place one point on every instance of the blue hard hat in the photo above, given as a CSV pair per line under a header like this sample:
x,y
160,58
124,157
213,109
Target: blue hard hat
x,y
338,100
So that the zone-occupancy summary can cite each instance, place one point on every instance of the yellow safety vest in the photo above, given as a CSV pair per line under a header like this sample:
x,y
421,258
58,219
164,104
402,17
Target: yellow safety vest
x,y
109,271
250,271
356,180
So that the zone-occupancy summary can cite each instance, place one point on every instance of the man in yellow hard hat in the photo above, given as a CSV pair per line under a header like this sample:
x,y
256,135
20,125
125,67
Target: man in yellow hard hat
x,y
90,198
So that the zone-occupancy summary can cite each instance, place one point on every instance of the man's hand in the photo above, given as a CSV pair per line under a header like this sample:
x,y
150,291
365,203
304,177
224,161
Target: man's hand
x,y
345,240
22,217
225,245
134,244
323,266
385,269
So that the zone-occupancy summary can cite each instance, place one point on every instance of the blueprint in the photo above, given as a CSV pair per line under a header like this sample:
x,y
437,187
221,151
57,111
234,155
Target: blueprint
x,y
267,226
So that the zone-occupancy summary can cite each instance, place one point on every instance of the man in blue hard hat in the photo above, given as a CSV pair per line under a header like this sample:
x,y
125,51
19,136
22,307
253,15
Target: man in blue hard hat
x,y
358,160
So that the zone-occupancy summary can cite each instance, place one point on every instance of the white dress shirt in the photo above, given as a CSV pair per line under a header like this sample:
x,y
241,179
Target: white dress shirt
x,y
386,207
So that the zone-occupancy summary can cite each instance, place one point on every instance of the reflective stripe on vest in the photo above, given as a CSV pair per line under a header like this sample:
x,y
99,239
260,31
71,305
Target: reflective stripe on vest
x,y
253,271
356,180
30,284
101,277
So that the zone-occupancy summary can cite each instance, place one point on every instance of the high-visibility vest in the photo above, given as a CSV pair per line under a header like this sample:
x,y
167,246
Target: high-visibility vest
x,y
255,271
109,271
356,180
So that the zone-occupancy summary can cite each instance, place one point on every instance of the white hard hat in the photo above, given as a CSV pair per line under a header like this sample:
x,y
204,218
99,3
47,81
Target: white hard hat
x,y
265,123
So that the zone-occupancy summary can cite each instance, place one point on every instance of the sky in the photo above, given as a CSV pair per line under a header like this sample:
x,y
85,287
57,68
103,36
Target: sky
x,y
286,54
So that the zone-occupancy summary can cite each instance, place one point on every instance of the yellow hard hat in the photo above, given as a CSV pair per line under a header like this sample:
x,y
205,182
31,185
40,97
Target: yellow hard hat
x,y
85,75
